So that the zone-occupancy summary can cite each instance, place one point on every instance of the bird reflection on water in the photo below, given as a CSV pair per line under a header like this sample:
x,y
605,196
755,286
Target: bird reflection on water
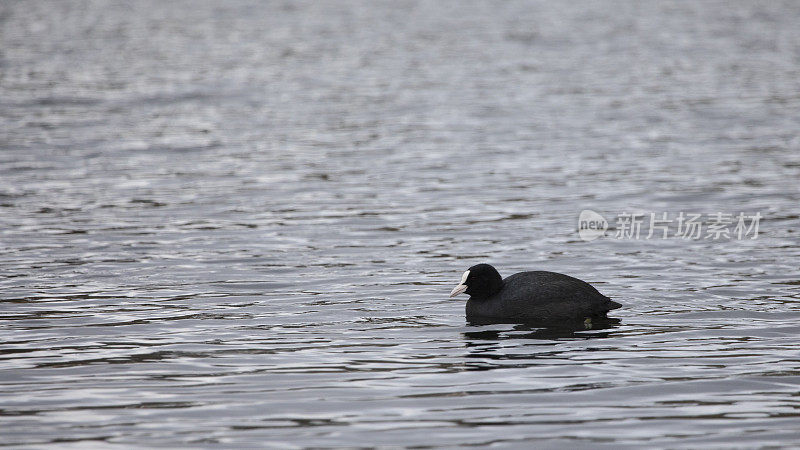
x,y
483,344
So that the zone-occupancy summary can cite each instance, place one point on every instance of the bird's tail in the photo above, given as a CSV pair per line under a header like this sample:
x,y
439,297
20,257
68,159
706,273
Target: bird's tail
x,y
612,304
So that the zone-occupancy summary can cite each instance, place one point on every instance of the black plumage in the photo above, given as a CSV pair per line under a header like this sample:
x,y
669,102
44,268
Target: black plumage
x,y
530,297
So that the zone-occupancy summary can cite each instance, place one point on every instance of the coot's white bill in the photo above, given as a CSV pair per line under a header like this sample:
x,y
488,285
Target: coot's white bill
x,y
461,285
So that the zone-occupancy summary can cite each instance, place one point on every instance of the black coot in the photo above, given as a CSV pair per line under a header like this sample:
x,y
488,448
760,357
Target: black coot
x,y
529,297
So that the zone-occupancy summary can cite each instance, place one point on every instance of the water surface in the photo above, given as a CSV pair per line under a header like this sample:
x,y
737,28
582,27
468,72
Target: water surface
x,y
237,224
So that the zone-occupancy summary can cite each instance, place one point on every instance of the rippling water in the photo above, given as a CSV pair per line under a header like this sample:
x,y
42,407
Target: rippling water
x,y
237,224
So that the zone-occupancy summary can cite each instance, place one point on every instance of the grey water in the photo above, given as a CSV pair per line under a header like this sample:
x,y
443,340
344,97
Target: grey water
x,y
236,224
